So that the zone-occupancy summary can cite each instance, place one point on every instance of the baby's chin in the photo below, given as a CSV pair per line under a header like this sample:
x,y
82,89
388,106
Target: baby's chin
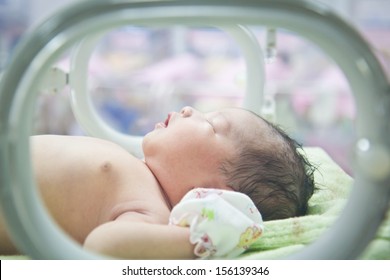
x,y
144,143
147,143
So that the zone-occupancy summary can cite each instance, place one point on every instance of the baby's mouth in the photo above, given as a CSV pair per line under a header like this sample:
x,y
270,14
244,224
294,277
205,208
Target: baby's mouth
x,y
165,123
168,119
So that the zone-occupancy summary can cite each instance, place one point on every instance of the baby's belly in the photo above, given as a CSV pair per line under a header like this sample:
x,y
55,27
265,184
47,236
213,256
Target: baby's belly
x,y
81,179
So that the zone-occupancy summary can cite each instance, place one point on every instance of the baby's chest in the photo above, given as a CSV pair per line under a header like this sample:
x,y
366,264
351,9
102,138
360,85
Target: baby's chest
x,y
135,194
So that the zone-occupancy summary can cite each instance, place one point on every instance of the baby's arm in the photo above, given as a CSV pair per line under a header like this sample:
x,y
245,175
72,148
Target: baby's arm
x,y
129,239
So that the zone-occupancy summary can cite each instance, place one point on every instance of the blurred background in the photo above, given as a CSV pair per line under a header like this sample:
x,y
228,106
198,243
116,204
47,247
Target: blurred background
x,y
138,74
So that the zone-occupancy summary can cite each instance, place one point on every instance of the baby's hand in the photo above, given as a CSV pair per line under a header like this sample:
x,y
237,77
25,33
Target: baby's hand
x,y
222,223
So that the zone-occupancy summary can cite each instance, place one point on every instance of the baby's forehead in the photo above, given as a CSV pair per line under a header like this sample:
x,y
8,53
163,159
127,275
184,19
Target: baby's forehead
x,y
239,115
245,123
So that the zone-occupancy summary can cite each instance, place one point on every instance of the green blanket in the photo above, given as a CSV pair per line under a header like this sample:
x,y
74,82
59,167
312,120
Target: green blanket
x,y
283,237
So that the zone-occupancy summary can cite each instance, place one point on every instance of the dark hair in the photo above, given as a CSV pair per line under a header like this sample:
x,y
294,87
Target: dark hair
x,y
276,175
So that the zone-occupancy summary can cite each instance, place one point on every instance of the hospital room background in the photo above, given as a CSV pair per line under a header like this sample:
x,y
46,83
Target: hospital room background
x,y
137,74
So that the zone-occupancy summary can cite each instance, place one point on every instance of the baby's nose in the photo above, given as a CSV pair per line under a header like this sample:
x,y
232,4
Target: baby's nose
x,y
187,111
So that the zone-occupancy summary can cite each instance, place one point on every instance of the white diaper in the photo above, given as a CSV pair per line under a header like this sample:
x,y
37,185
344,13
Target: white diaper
x,y
222,223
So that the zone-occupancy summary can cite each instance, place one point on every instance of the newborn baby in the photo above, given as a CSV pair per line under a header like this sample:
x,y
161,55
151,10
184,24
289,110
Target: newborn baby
x,y
116,204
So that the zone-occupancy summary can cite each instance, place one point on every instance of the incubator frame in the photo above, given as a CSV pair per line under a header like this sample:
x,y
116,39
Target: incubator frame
x,y
32,228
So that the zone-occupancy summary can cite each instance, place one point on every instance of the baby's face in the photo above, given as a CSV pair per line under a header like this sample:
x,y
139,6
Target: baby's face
x,y
191,144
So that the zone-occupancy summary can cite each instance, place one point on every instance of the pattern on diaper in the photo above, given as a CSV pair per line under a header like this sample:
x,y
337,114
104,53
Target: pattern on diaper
x,y
252,209
208,214
182,221
249,236
202,193
205,247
